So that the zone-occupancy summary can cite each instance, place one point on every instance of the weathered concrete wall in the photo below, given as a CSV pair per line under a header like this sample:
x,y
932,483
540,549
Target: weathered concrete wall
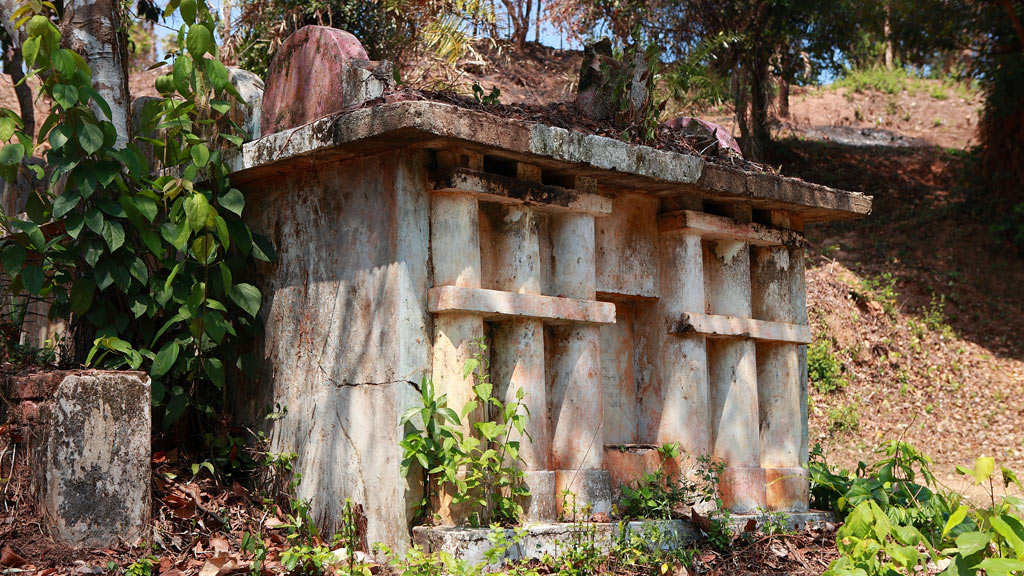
x,y
347,332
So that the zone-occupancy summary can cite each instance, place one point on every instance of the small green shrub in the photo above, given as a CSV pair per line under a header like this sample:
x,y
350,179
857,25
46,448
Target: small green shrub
x,y
661,495
844,419
650,551
895,525
823,368
882,289
934,317
482,467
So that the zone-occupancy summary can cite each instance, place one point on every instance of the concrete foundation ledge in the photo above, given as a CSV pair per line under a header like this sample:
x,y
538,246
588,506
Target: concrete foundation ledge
x,y
538,540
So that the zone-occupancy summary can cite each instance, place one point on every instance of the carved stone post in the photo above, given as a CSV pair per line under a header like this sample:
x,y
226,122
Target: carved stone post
x,y
733,371
577,447
778,279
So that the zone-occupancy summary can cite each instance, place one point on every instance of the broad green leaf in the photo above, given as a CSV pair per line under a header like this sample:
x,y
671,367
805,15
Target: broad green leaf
x,y
214,369
983,469
197,211
204,248
12,258
165,359
65,203
248,298
217,74
955,519
91,138
183,74
1015,538
200,154
32,279
35,235
82,292
233,201
152,242
66,95
1001,566
11,154
970,542
30,50
94,220
139,304
73,224
113,233
59,137
187,9
199,41
64,63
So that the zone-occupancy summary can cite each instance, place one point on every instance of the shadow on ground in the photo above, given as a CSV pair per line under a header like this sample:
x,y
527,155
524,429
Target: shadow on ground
x,y
924,230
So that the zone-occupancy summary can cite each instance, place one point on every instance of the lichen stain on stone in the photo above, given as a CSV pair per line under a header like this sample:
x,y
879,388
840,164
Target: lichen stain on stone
x,y
726,250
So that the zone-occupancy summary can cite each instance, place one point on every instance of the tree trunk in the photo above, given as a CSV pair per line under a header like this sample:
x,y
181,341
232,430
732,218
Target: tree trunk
x,y
93,29
536,33
12,67
783,97
754,147
887,30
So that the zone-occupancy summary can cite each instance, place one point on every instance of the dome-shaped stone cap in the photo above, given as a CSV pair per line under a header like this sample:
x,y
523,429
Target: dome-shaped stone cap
x,y
305,80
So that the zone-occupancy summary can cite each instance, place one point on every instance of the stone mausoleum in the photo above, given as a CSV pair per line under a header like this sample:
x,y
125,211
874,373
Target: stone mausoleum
x,y
637,296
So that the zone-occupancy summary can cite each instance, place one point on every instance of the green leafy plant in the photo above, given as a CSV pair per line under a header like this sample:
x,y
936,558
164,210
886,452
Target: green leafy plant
x,y
146,268
650,550
844,418
493,97
894,524
824,370
482,468
664,495
882,289
579,554
143,566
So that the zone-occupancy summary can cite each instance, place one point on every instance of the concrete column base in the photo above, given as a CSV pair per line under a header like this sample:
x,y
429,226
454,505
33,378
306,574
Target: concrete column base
x,y
591,489
787,489
540,505
742,489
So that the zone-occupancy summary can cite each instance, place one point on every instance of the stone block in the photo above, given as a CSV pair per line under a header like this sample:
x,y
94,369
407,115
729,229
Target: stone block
x,y
588,491
786,489
316,72
246,111
540,505
742,489
706,137
92,466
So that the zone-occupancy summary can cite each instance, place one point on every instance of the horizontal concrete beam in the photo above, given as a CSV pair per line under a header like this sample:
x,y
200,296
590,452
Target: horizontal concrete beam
x,y
498,304
509,190
616,164
712,227
713,325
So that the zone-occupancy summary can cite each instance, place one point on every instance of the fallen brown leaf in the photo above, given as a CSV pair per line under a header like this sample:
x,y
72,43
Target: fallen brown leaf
x,y
10,558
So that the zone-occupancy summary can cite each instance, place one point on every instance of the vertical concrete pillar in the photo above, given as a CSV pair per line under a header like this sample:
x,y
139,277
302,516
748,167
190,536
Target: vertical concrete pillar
x,y
517,357
732,369
684,382
777,278
455,255
577,448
